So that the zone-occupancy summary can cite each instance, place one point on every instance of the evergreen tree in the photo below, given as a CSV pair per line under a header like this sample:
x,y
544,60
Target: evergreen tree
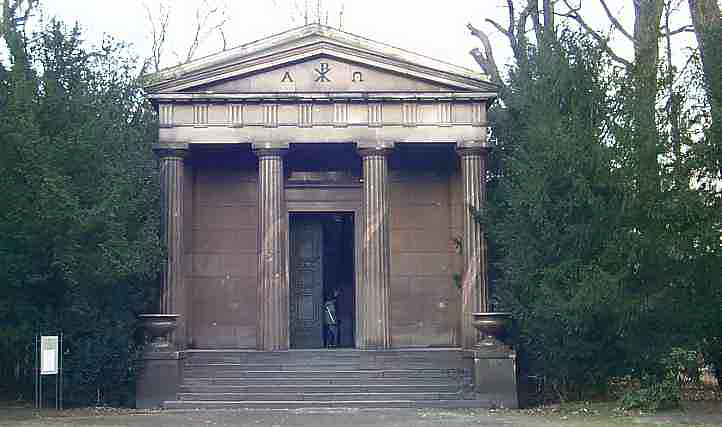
x,y
78,219
604,276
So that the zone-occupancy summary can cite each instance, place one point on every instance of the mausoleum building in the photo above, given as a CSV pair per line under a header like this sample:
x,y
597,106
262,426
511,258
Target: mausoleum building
x,y
308,167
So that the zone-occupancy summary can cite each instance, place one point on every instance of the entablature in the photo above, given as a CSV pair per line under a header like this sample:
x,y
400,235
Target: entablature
x,y
329,111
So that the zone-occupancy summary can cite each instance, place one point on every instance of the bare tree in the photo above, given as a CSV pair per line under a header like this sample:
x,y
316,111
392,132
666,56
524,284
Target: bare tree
x,y
643,70
304,12
543,25
210,18
485,58
158,32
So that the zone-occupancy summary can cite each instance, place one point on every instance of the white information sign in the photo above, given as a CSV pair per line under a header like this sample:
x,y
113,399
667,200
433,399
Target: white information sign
x,y
49,355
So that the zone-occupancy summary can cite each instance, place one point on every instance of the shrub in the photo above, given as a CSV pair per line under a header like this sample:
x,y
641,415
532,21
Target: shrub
x,y
663,395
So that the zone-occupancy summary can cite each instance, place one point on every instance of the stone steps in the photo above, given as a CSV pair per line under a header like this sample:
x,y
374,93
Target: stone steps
x,y
312,396
366,404
324,378
314,388
242,372
322,381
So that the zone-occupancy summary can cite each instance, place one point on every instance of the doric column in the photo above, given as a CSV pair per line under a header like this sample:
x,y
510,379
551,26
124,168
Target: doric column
x,y
373,292
171,186
272,329
474,280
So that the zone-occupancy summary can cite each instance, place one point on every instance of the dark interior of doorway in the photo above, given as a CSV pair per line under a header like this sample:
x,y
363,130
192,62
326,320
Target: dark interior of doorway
x,y
337,272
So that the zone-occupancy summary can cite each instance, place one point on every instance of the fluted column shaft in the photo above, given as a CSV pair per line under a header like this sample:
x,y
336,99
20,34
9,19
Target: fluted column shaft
x,y
373,293
273,292
474,280
171,185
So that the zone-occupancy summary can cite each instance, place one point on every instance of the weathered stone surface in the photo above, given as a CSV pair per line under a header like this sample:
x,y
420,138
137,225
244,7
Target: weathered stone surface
x,y
373,291
173,298
474,278
273,291
158,378
495,381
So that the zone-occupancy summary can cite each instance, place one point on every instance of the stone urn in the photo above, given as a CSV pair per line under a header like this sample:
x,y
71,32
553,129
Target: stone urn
x,y
158,327
491,327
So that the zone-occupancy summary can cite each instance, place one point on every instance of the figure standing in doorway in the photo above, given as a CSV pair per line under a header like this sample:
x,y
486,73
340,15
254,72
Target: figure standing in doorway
x,y
330,320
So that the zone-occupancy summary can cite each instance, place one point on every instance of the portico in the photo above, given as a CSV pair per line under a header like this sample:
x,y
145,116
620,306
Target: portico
x,y
320,121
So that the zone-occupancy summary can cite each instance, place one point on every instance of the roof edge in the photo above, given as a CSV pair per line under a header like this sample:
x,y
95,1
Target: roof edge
x,y
305,34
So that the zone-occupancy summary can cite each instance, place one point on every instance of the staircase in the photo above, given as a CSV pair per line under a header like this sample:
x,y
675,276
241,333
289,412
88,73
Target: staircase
x,y
325,378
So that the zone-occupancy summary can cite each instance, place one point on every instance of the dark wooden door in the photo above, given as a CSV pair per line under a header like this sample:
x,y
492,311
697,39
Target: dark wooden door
x,y
306,282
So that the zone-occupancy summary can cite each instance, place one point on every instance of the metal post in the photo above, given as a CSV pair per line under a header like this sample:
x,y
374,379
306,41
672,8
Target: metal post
x,y
36,370
40,383
57,381
60,350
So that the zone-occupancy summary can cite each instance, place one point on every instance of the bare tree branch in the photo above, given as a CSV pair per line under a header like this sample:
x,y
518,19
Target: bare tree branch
x,y
684,29
204,28
340,18
322,12
521,29
485,59
512,17
536,22
615,21
223,39
603,41
498,27
158,34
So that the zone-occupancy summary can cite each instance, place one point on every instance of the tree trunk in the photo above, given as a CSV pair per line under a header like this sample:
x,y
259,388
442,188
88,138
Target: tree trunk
x,y
708,29
648,15
548,33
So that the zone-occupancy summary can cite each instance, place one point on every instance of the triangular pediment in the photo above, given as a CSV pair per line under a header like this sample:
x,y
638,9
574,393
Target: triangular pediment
x,y
316,59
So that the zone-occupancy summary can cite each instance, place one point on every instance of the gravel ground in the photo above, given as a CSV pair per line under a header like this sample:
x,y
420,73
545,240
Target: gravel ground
x,y
579,416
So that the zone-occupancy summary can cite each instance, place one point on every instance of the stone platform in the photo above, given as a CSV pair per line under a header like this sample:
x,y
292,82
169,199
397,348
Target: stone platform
x,y
325,378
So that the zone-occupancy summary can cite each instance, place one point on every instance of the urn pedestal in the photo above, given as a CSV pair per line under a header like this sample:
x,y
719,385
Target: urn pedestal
x,y
494,373
159,368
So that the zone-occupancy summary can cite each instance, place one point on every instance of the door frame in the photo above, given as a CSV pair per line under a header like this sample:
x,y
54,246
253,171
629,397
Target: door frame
x,y
295,207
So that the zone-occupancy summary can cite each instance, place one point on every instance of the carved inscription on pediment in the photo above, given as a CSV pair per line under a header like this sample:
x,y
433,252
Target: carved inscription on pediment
x,y
322,75
322,70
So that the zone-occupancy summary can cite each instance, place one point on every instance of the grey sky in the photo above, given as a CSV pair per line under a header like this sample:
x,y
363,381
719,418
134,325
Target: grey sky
x,y
432,28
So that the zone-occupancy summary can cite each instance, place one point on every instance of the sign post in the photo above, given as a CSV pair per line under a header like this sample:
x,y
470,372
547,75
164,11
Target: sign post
x,y
49,357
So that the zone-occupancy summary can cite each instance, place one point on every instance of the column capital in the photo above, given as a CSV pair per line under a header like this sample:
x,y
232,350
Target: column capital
x,y
178,150
374,151
270,152
375,144
477,150
269,149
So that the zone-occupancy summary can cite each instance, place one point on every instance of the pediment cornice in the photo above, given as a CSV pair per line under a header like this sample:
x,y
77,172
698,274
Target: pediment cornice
x,y
310,43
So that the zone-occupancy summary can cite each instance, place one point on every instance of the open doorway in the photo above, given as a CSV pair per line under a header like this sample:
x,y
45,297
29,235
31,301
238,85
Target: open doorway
x,y
322,297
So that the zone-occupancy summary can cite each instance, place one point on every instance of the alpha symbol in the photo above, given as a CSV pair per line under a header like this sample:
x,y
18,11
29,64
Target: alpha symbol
x,y
322,70
287,77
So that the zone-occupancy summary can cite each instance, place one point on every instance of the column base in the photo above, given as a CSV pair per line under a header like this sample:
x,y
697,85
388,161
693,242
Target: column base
x,y
494,375
159,375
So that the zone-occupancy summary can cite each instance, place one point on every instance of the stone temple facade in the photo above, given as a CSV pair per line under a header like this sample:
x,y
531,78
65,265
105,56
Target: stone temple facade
x,y
315,166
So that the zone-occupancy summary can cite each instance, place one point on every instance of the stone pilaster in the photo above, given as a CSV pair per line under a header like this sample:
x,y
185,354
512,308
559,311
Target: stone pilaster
x,y
474,279
273,293
373,293
171,159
